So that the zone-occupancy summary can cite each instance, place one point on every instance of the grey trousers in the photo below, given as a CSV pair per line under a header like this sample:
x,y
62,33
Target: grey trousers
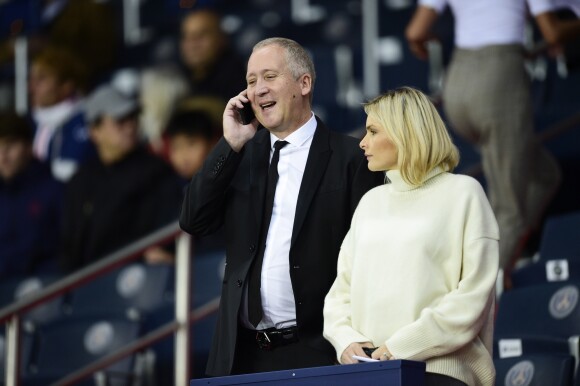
x,y
487,100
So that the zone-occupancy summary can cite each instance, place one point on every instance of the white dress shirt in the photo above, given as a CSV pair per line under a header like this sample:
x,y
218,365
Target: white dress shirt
x,y
279,309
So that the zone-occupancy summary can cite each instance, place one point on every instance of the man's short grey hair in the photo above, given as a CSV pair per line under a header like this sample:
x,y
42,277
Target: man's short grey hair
x,y
298,60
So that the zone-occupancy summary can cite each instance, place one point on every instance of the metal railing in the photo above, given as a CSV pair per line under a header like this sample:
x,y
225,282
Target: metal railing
x,y
11,315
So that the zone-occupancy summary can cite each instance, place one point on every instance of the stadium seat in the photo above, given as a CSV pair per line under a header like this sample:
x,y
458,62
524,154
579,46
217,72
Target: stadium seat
x,y
67,345
207,277
545,271
561,237
13,289
136,290
522,345
535,370
547,310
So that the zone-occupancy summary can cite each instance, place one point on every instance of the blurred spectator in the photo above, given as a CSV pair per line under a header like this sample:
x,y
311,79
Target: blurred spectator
x,y
61,137
487,99
85,27
161,88
190,134
555,29
30,203
124,195
559,23
213,68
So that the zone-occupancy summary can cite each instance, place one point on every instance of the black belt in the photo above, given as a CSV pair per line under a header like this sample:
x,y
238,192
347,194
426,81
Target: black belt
x,y
271,338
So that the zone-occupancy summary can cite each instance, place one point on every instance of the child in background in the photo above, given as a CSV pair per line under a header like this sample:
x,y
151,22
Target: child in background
x,y
190,136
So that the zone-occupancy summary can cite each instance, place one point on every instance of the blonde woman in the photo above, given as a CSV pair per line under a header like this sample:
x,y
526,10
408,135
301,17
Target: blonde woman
x,y
417,269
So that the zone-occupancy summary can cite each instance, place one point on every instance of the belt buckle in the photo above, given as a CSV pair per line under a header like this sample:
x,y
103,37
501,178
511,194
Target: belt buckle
x,y
263,340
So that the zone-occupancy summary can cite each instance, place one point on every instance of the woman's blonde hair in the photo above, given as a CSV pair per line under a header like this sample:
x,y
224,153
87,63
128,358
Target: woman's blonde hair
x,y
413,124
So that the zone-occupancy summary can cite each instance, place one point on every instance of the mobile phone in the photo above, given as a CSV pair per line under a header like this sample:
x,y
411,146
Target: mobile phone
x,y
369,350
246,113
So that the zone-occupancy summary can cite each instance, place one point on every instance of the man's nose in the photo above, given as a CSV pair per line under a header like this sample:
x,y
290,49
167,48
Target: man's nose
x,y
261,91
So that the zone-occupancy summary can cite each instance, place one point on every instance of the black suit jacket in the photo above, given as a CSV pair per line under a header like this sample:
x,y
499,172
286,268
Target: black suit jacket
x,y
229,191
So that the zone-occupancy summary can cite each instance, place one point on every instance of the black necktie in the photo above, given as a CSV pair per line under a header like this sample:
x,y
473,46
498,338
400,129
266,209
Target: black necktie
x,y
255,279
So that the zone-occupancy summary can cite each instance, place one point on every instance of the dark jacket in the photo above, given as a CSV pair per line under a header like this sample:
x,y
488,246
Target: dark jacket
x,y
229,191
109,206
30,208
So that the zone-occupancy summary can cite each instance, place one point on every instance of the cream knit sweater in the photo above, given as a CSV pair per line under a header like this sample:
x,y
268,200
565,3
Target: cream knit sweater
x,y
417,272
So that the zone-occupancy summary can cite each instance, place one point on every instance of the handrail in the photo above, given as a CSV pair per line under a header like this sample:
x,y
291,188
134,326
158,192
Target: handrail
x,y
84,275
139,344
11,314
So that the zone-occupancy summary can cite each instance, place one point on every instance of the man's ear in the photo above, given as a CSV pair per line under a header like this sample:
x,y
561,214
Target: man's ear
x,y
305,84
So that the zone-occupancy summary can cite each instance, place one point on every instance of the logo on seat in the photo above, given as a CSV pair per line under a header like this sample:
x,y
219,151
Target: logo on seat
x,y
563,302
99,338
131,281
520,374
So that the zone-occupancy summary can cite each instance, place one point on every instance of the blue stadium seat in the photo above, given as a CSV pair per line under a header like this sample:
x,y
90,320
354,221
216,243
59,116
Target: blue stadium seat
x,y
545,271
522,345
67,345
561,237
207,277
13,289
550,309
535,370
136,289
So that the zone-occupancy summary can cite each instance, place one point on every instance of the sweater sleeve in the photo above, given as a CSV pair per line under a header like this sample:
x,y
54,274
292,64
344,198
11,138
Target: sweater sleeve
x,y
458,317
337,308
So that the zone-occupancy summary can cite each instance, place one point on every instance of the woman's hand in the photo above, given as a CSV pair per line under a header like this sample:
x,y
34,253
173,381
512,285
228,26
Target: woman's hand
x,y
382,353
354,348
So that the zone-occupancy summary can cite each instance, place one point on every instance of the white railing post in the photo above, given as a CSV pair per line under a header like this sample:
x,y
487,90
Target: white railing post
x,y
182,306
133,33
371,67
13,351
21,75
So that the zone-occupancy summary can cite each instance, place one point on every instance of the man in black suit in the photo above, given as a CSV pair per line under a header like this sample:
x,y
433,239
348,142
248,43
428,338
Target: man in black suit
x,y
289,247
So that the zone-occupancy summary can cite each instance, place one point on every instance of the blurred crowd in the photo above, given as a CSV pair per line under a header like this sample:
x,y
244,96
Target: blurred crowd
x,y
101,156
98,162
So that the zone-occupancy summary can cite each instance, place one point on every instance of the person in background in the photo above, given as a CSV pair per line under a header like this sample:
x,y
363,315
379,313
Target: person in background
x,y
211,65
190,135
487,99
56,87
122,196
161,90
30,203
417,269
85,27
284,196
